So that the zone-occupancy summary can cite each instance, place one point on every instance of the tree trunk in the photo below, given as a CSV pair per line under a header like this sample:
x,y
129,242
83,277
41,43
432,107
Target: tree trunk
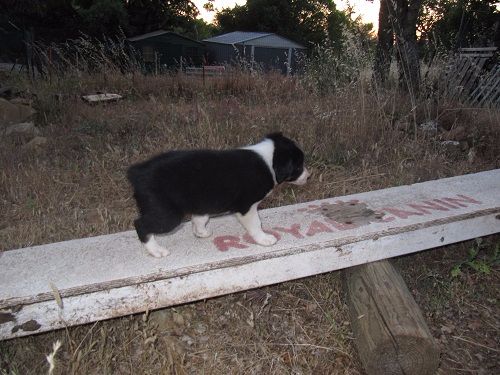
x,y
405,29
384,43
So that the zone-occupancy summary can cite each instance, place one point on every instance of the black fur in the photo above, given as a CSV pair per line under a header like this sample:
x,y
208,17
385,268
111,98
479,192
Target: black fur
x,y
175,184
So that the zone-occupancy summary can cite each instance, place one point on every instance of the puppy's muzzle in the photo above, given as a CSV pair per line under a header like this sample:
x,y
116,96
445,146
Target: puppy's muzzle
x,y
302,178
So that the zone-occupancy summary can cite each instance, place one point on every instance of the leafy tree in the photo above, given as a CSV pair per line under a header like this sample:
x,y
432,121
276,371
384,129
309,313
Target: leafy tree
x,y
51,20
451,24
201,30
232,19
150,15
305,21
103,17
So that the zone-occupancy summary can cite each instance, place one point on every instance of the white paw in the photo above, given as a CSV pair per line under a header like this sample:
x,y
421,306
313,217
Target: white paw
x,y
265,239
202,233
157,251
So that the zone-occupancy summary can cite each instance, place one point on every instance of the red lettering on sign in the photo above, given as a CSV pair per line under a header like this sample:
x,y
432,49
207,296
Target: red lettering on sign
x,y
402,214
426,206
445,203
293,230
308,208
250,240
317,227
461,200
387,219
224,243
342,226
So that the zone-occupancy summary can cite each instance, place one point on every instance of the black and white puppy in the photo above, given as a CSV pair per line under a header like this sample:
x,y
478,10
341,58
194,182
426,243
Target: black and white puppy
x,y
201,183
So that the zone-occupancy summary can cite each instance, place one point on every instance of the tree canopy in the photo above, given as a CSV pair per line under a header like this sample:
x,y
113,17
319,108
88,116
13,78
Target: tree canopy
x,y
451,24
443,24
305,21
53,20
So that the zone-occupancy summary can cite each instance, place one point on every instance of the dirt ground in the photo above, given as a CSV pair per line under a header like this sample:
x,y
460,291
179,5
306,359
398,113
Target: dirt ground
x,y
73,186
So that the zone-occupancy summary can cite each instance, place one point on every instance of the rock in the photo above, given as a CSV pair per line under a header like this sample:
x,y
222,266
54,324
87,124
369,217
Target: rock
x,y
21,101
163,319
23,128
450,143
34,143
458,133
471,156
452,147
200,328
168,321
7,92
430,126
178,319
187,339
14,113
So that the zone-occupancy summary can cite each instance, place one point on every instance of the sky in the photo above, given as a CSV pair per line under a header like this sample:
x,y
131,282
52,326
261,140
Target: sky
x,y
366,9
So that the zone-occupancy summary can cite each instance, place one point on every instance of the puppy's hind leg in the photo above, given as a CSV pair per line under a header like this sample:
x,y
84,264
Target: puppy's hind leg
x,y
251,222
200,226
149,225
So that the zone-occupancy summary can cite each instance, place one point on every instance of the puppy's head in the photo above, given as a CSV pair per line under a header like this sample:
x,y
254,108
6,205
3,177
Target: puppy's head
x,y
288,160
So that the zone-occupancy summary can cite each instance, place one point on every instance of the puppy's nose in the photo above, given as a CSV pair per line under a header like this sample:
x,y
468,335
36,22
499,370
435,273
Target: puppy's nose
x,y
303,177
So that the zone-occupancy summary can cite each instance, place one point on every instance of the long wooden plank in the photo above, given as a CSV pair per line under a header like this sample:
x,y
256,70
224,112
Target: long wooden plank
x,y
74,282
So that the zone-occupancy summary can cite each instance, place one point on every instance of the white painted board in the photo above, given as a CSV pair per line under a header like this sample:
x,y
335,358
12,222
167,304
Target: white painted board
x,y
109,276
96,98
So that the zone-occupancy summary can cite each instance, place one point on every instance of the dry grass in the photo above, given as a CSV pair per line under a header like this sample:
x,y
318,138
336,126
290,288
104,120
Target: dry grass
x,y
75,187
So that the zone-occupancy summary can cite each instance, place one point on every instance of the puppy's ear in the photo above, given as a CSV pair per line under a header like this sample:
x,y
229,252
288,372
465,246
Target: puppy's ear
x,y
283,171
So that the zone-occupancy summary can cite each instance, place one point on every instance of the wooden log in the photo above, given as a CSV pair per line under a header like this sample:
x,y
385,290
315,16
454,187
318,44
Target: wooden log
x,y
391,334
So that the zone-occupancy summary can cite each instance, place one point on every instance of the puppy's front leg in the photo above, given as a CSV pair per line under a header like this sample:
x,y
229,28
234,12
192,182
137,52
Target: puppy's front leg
x,y
199,224
251,222
154,248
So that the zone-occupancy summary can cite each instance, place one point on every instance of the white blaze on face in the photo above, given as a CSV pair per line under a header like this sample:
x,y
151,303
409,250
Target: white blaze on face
x,y
302,178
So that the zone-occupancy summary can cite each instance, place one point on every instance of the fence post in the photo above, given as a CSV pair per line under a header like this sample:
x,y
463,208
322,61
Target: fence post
x,y
28,38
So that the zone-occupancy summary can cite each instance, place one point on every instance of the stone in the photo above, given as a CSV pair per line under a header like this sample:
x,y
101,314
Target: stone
x,y
162,319
7,92
472,155
451,146
23,128
11,113
429,126
178,319
21,101
35,143
458,133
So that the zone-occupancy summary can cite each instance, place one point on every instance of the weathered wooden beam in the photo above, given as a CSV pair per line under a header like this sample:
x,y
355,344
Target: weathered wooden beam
x,y
80,281
391,334
99,98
